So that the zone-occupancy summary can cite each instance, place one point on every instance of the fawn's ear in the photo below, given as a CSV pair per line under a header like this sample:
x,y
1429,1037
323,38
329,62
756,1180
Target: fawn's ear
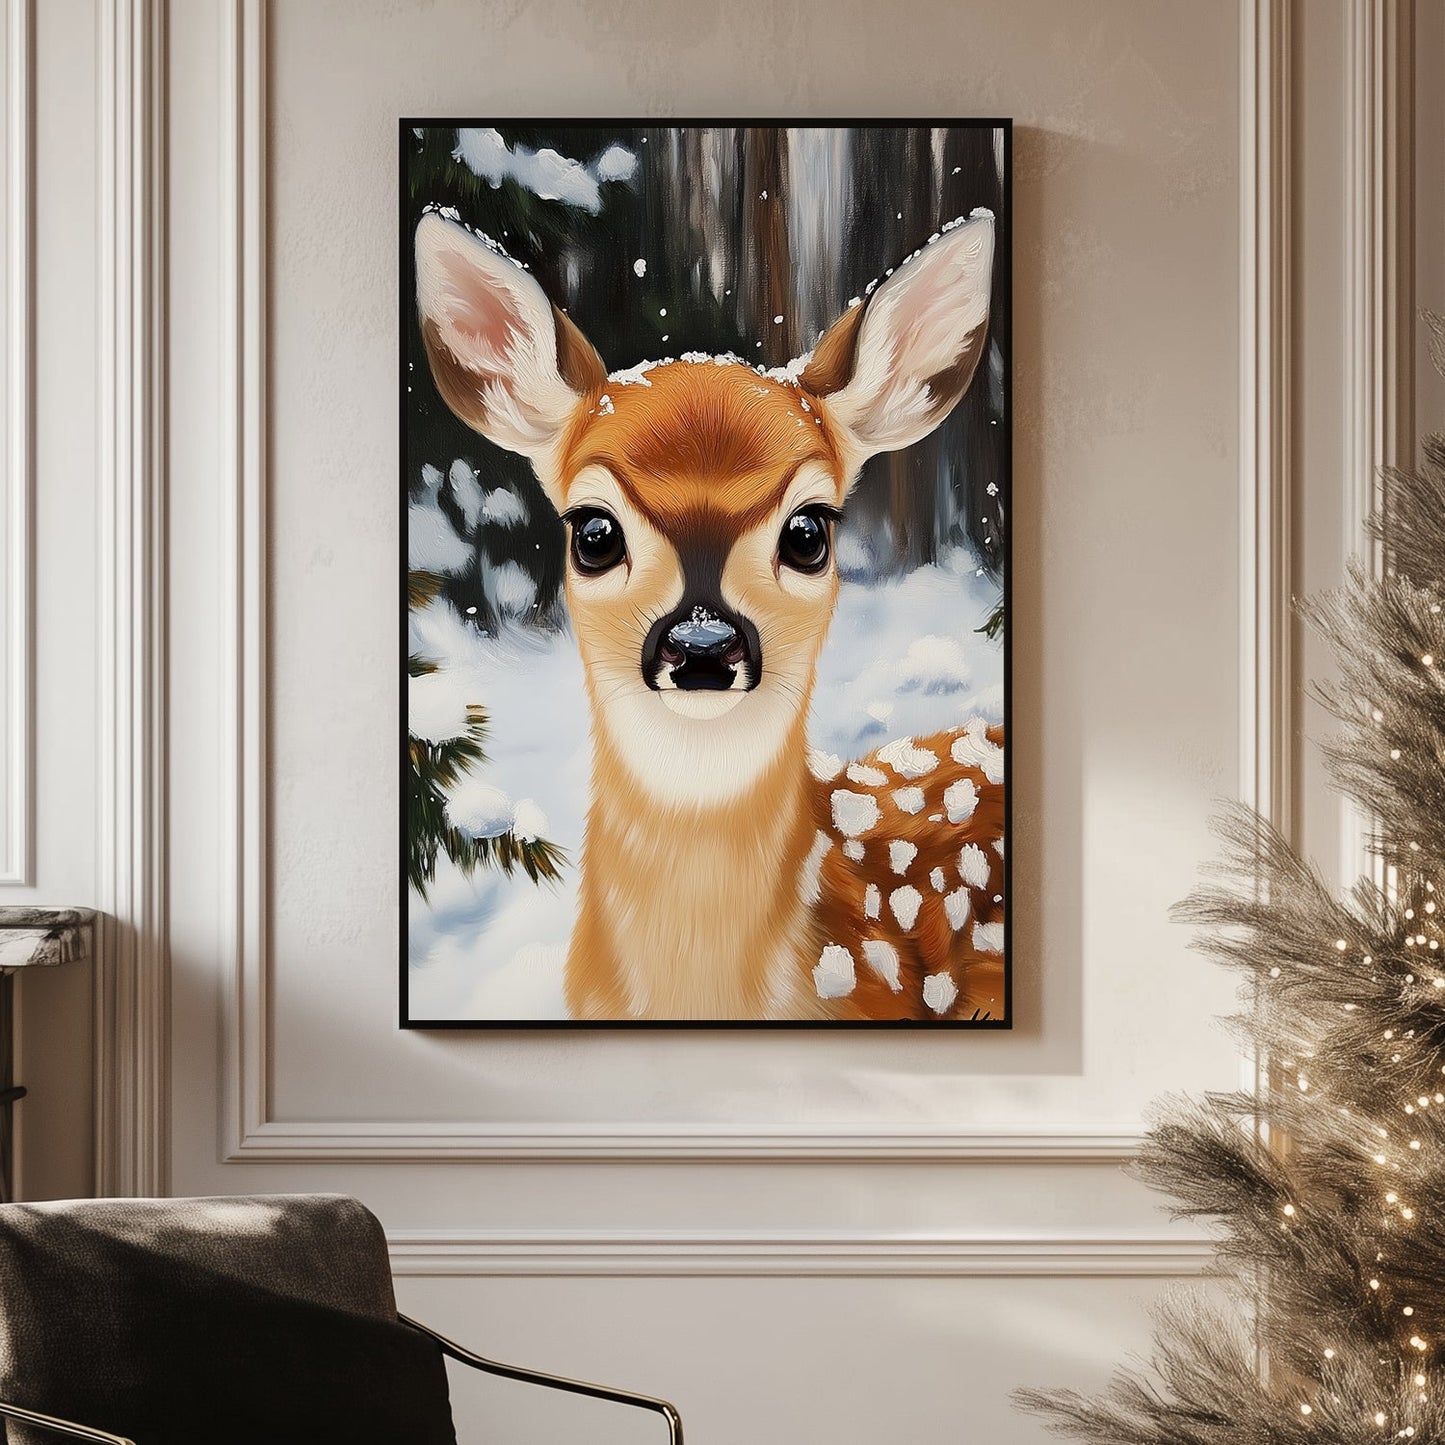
x,y
894,367
505,360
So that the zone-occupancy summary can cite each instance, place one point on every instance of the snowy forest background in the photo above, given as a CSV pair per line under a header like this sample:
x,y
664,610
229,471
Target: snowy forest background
x,y
658,241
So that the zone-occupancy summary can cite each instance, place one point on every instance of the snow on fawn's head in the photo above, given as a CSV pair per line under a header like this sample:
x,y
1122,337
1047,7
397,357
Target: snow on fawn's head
x,y
700,495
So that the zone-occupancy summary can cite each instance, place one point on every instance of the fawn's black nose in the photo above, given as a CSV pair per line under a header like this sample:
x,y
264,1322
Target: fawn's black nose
x,y
702,634
702,648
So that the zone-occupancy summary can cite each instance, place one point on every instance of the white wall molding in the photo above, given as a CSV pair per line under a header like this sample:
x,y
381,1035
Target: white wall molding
x,y
132,1042
243,83
429,1142
424,1254
17,841
1380,256
1266,678
1380,282
253,1135
1267,776
1266,204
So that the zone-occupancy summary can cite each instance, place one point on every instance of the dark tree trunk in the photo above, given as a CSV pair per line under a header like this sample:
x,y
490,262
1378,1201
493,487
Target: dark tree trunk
x,y
769,266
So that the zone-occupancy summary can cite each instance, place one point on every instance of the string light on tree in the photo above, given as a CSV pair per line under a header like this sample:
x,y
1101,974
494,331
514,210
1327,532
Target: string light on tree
x,y
1334,1227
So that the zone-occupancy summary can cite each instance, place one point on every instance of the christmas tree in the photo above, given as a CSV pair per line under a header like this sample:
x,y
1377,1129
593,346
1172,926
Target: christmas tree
x,y
1327,1188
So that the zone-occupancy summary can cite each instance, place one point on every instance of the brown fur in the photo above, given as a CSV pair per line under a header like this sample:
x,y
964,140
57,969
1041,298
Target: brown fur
x,y
692,914
831,365
456,382
932,945
579,364
695,912
715,894
703,439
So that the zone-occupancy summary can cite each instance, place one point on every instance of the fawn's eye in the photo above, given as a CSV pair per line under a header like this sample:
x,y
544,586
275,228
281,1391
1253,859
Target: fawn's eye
x,y
804,545
597,541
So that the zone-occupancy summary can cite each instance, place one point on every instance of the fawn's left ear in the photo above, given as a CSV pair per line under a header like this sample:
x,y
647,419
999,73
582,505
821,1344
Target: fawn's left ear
x,y
505,360
891,369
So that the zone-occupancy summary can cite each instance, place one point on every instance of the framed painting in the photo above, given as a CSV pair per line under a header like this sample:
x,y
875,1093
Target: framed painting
x,y
705,456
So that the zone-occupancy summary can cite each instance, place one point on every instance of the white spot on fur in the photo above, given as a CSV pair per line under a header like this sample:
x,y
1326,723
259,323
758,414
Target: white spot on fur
x,y
905,903
834,976
908,800
639,267
998,846
811,877
872,901
604,405
854,813
973,866
988,937
867,777
938,880
939,992
824,766
973,750
955,905
960,799
906,760
882,958
853,849
900,855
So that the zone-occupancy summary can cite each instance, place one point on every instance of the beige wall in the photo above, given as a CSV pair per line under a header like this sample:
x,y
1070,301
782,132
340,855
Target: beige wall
x,y
1124,649
838,1237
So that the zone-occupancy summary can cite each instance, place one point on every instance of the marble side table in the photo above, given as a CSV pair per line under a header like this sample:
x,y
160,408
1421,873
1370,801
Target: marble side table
x,y
30,938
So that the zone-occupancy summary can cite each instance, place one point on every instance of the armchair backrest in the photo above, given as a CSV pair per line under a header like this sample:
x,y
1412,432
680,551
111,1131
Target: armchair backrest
x,y
171,1320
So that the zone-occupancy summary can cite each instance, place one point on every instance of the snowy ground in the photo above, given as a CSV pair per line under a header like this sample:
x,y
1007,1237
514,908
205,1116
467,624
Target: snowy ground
x,y
903,658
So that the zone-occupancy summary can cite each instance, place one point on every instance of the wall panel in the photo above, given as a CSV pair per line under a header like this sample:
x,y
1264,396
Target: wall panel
x,y
792,1233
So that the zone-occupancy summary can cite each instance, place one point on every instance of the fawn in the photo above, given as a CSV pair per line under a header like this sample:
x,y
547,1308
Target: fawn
x,y
725,874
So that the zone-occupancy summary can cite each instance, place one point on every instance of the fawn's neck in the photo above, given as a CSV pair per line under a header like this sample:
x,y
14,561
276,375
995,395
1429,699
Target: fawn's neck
x,y
695,910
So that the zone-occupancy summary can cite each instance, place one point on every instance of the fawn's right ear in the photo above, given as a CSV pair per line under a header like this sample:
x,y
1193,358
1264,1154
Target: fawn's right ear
x,y
505,360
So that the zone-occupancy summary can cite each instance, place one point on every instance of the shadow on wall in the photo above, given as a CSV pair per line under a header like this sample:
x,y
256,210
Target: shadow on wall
x,y
544,1074
824,1077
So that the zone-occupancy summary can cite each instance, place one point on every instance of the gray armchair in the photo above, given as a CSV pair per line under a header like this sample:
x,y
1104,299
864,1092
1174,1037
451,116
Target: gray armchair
x,y
163,1321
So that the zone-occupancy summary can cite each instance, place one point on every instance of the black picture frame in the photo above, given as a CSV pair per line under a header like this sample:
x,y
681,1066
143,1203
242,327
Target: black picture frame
x,y
409,350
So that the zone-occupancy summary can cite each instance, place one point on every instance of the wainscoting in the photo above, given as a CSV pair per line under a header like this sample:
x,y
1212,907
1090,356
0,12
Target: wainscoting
x,y
812,1236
